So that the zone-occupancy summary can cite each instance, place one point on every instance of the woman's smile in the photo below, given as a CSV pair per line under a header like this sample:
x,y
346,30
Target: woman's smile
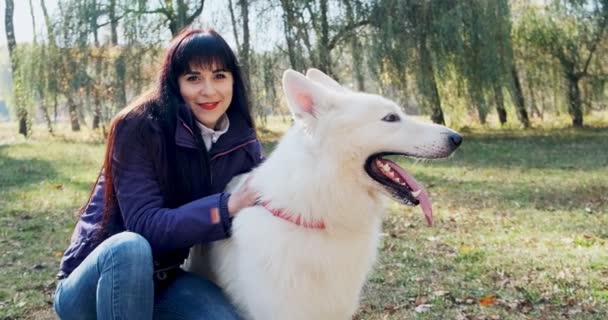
x,y
209,105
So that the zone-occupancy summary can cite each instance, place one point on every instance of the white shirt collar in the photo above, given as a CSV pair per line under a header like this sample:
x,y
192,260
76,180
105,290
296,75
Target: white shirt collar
x,y
210,136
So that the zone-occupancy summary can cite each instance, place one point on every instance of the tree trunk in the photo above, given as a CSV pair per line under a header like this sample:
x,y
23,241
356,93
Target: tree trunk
x,y
39,89
52,85
48,23
96,84
323,47
55,107
47,117
235,29
518,99
120,96
480,103
73,114
290,39
431,92
427,81
182,15
532,89
574,101
180,19
22,114
35,41
10,31
245,49
437,111
355,47
500,104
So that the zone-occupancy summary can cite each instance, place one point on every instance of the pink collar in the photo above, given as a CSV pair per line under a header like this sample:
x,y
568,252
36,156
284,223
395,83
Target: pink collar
x,y
297,220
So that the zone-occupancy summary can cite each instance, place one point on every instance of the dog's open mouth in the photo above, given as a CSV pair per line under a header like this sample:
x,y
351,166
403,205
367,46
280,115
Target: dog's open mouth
x,y
399,183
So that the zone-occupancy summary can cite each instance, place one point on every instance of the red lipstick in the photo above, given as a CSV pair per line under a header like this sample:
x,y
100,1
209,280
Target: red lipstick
x,y
209,105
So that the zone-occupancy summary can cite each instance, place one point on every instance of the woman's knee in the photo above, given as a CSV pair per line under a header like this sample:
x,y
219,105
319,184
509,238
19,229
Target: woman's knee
x,y
131,248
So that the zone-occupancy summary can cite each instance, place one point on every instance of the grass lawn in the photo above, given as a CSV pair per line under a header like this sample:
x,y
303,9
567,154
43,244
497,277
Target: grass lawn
x,y
521,227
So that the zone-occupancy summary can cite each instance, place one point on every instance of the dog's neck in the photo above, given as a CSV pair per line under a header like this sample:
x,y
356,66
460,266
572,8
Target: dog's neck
x,y
317,186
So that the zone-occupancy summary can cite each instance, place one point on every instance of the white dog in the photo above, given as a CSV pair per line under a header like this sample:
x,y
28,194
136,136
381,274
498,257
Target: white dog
x,y
304,252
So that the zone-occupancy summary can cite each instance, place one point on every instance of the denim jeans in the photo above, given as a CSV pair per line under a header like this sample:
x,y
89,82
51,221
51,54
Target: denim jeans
x,y
116,282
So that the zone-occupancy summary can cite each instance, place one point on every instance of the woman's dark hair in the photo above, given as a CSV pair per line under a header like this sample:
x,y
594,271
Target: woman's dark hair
x,y
164,104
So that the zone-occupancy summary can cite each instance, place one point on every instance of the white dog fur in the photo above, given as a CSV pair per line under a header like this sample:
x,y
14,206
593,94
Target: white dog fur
x,y
274,269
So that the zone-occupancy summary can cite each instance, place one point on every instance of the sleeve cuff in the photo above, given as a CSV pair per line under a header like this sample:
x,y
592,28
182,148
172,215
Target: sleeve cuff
x,y
225,215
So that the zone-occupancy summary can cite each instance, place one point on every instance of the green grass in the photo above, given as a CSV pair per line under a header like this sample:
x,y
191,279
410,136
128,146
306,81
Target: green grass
x,y
521,226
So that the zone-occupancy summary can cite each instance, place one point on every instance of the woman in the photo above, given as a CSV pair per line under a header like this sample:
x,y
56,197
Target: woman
x,y
168,159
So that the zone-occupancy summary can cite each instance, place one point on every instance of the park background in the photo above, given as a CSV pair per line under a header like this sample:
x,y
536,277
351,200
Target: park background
x,y
522,208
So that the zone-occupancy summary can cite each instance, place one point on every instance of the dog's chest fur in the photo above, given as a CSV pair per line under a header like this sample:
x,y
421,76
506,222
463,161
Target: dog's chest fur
x,y
276,270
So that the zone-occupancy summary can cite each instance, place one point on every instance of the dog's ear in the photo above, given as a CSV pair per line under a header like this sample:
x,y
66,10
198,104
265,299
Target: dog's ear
x,y
305,98
318,76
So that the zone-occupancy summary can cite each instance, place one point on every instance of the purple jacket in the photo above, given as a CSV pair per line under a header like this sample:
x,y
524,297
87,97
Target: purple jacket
x,y
140,204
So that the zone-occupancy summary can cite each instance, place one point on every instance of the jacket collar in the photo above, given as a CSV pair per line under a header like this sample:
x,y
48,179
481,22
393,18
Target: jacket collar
x,y
238,133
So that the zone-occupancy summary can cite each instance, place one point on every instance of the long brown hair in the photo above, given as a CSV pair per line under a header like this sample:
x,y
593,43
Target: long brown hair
x,y
164,105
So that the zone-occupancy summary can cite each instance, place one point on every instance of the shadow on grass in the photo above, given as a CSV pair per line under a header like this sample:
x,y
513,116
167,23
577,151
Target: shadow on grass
x,y
477,195
581,149
23,172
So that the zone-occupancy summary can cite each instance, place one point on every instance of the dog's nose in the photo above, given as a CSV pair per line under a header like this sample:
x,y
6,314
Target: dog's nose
x,y
455,138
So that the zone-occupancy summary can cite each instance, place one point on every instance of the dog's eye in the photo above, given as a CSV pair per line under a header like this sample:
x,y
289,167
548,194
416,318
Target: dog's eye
x,y
391,117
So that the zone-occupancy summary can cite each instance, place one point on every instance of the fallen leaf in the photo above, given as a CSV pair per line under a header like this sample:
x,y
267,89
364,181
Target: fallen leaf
x,y
465,249
488,301
441,293
423,308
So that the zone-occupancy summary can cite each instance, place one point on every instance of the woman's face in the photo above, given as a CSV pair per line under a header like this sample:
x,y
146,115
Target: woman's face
x,y
208,92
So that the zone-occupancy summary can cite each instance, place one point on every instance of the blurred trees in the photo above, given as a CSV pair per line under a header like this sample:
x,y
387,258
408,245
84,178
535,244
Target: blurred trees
x,y
570,33
18,79
451,60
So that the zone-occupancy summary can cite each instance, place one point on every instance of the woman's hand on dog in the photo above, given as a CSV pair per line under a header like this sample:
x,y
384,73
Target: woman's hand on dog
x,y
243,197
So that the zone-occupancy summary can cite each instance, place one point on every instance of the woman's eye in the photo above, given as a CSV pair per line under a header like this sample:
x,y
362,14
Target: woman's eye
x,y
192,78
220,76
391,117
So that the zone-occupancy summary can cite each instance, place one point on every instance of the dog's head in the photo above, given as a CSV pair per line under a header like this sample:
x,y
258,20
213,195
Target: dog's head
x,y
361,129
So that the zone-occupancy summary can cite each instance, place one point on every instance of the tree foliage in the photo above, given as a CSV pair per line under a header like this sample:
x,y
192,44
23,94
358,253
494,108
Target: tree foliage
x,y
451,60
570,33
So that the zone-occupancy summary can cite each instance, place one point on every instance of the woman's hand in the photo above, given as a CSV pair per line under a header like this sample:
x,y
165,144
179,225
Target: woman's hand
x,y
243,197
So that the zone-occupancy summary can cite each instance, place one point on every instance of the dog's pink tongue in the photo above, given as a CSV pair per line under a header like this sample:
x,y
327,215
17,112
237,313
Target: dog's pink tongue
x,y
425,202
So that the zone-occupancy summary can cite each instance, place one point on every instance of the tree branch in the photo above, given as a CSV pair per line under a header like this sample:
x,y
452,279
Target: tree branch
x,y
596,41
343,33
234,28
196,13
162,11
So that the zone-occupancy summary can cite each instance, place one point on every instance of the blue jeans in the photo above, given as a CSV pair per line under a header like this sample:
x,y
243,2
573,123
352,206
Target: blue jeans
x,y
116,282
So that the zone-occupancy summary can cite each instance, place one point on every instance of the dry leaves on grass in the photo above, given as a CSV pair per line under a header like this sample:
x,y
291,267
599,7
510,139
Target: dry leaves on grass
x,y
488,301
